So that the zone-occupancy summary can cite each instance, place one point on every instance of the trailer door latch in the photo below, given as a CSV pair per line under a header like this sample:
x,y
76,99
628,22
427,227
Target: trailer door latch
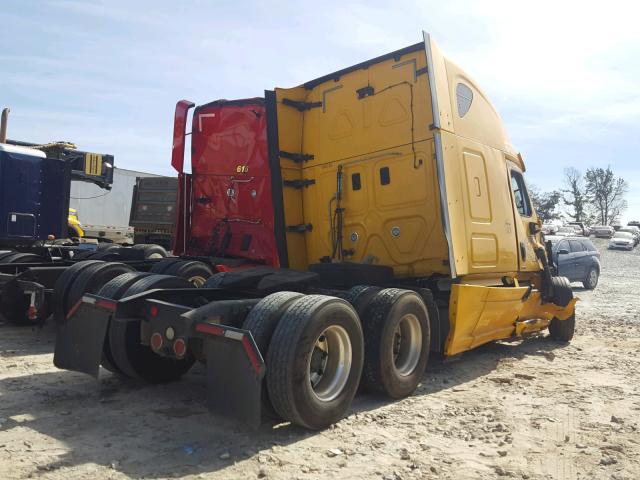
x,y
296,157
301,228
299,184
301,106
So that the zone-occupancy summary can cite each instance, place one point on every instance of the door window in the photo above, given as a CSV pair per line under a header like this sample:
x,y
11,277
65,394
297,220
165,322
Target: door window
x,y
520,194
576,246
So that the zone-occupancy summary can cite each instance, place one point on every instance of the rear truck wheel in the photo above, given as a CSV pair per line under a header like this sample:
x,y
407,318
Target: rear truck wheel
x,y
152,250
360,296
396,339
139,361
314,361
17,257
62,287
262,322
194,271
15,305
161,265
5,253
562,292
562,330
114,289
592,279
93,278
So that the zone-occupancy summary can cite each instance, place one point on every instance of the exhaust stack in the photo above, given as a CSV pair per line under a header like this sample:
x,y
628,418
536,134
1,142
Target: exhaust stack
x,y
3,125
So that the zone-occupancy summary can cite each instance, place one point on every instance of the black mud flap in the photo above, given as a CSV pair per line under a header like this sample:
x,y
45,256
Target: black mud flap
x,y
235,370
80,339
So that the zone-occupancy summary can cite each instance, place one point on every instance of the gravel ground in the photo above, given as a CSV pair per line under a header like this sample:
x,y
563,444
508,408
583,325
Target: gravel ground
x,y
532,409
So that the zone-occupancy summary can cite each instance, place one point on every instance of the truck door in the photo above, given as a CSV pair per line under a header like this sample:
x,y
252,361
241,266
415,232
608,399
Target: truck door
x,y
525,220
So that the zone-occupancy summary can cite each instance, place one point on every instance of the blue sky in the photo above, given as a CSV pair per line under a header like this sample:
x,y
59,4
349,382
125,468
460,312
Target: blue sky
x,y
564,75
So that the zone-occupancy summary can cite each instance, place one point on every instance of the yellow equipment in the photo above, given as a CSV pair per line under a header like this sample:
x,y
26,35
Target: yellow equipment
x,y
75,227
406,163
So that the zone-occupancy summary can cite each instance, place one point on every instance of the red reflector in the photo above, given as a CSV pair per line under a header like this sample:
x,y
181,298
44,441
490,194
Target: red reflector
x,y
74,309
154,311
106,304
156,341
32,313
179,347
210,329
222,268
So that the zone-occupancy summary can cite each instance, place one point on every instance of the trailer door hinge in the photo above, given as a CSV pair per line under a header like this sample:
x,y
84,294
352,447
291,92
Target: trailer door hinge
x,y
301,106
421,71
301,228
296,157
299,184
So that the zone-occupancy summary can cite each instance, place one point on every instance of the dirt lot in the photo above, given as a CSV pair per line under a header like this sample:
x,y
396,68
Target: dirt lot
x,y
533,409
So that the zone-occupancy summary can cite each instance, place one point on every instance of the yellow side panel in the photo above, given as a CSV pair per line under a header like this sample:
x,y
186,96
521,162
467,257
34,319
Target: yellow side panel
x,y
396,224
479,314
93,164
479,202
347,126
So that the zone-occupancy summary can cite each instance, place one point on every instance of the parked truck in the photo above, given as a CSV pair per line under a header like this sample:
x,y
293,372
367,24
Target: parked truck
x,y
402,226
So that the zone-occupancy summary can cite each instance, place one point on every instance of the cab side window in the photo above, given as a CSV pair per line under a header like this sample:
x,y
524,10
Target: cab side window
x,y
520,194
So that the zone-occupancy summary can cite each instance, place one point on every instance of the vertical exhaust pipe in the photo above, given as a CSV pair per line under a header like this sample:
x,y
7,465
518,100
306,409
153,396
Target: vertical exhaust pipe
x,y
3,125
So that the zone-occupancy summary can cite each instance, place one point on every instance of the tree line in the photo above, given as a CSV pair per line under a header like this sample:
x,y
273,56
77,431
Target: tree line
x,y
595,197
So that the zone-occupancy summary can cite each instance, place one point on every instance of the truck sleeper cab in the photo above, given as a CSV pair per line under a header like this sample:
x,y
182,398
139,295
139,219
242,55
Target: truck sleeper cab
x,y
403,227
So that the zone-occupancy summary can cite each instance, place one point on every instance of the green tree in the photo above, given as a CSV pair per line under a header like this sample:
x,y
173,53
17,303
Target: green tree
x,y
607,193
574,195
545,203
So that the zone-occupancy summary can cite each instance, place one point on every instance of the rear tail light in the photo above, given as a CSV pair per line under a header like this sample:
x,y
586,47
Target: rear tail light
x,y
179,348
156,341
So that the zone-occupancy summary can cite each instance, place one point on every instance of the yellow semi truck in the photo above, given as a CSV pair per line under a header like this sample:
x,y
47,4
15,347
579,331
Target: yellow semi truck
x,y
403,227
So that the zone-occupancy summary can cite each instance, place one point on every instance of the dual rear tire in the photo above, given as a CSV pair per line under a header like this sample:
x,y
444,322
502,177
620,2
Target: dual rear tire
x,y
318,349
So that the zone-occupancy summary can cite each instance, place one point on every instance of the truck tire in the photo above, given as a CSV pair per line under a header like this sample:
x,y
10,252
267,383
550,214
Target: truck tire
x,y
5,253
591,280
562,292
114,289
314,361
152,250
106,245
360,296
396,339
161,265
562,330
93,278
194,271
139,361
262,322
62,287
17,257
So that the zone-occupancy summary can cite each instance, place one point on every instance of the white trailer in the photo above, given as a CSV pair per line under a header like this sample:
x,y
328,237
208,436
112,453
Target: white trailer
x,y
105,213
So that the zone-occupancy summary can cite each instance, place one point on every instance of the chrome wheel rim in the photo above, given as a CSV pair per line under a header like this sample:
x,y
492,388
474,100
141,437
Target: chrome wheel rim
x,y
593,278
330,363
197,280
407,345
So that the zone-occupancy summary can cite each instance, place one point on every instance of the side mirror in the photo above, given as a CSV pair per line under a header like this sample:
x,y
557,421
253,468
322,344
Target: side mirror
x,y
563,251
534,228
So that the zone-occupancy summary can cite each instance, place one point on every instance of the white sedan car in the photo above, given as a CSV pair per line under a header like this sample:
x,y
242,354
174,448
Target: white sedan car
x,y
622,240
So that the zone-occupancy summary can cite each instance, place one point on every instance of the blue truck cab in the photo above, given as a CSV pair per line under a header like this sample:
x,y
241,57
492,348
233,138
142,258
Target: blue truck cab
x,y
34,195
